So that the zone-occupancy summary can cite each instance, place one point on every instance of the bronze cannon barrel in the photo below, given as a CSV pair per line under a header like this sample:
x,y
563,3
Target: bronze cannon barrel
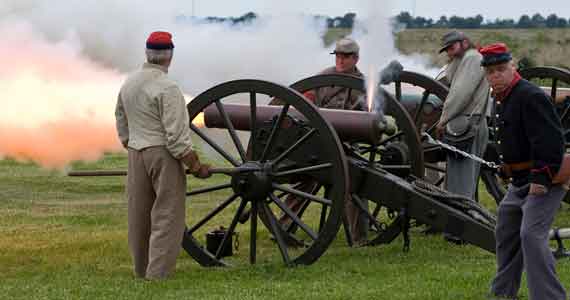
x,y
350,125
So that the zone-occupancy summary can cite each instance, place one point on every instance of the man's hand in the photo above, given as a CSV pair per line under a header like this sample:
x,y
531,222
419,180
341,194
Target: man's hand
x,y
203,171
537,189
197,169
439,130
192,161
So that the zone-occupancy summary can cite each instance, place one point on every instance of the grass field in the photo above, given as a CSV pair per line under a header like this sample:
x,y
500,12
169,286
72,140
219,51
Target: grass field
x,y
66,238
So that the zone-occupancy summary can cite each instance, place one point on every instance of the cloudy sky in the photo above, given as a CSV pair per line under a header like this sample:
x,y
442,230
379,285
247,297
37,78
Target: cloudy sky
x,y
490,9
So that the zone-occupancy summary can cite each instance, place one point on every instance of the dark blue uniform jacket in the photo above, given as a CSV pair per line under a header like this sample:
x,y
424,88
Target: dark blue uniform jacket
x,y
529,129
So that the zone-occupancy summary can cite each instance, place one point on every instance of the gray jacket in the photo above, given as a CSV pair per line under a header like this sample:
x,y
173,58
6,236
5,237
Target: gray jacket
x,y
469,91
151,111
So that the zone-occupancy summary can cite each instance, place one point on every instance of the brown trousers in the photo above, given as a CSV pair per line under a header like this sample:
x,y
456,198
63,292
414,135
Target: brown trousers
x,y
156,188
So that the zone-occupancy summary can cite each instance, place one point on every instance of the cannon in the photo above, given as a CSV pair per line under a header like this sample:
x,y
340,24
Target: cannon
x,y
423,98
377,165
402,154
378,161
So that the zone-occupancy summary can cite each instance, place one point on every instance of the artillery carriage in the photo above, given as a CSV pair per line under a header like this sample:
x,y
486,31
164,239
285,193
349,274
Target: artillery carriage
x,y
299,141
377,161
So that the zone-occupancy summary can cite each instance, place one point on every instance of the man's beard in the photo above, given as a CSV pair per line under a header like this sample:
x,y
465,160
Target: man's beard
x,y
458,55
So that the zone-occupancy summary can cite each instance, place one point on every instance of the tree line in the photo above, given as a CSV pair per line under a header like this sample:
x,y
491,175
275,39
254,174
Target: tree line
x,y
525,21
406,20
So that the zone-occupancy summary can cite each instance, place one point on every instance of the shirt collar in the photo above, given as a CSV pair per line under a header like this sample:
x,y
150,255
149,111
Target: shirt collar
x,y
504,94
147,65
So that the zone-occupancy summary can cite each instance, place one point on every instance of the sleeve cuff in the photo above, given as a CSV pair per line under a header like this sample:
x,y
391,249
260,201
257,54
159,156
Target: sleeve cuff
x,y
185,152
541,178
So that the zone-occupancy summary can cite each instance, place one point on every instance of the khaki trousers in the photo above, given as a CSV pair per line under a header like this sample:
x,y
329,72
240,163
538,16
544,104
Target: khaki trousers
x,y
156,189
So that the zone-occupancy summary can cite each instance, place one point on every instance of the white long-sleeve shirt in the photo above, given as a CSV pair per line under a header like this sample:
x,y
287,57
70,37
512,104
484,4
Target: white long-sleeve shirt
x,y
151,111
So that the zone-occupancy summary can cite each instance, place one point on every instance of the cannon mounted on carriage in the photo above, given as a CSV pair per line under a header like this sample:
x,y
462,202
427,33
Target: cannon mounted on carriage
x,y
379,161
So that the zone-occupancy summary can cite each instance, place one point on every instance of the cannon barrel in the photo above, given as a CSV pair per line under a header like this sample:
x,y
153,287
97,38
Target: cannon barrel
x,y
350,125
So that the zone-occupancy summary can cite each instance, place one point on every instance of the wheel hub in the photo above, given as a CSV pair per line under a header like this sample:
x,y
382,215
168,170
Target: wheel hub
x,y
253,185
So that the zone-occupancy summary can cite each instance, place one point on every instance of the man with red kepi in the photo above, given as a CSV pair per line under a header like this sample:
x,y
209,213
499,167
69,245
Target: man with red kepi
x,y
531,145
153,124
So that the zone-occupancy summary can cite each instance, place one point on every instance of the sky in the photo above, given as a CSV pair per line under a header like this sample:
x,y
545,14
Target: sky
x,y
490,9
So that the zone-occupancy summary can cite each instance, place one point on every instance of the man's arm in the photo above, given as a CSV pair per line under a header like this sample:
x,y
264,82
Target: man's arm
x,y
175,120
121,122
468,77
544,131
176,123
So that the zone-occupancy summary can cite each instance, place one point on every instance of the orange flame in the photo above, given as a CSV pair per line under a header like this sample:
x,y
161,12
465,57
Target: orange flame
x,y
55,144
57,106
370,87
198,121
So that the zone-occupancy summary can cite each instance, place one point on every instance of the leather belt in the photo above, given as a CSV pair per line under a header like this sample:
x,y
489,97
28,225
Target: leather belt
x,y
508,169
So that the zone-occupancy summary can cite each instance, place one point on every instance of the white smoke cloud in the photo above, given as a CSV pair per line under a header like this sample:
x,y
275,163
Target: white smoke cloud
x,y
281,48
79,52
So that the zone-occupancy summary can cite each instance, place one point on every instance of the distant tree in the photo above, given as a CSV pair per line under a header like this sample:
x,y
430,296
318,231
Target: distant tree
x,y
404,18
552,21
442,22
562,23
509,23
473,22
500,23
524,22
246,18
456,22
478,20
538,21
421,22
349,20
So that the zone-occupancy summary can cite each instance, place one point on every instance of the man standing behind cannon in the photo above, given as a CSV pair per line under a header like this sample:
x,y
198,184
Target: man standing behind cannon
x,y
346,54
531,144
463,120
153,124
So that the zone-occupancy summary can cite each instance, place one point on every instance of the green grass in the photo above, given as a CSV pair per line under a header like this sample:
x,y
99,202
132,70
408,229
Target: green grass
x,y
66,238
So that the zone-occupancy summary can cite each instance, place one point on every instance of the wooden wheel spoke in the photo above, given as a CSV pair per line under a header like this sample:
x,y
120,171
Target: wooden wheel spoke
x,y
274,131
209,189
231,229
277,233
212,213
231,130
293,216
303,170
214,145
302,194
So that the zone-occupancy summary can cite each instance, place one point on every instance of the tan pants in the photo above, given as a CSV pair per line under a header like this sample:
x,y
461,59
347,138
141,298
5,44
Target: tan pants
x,y
156,188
